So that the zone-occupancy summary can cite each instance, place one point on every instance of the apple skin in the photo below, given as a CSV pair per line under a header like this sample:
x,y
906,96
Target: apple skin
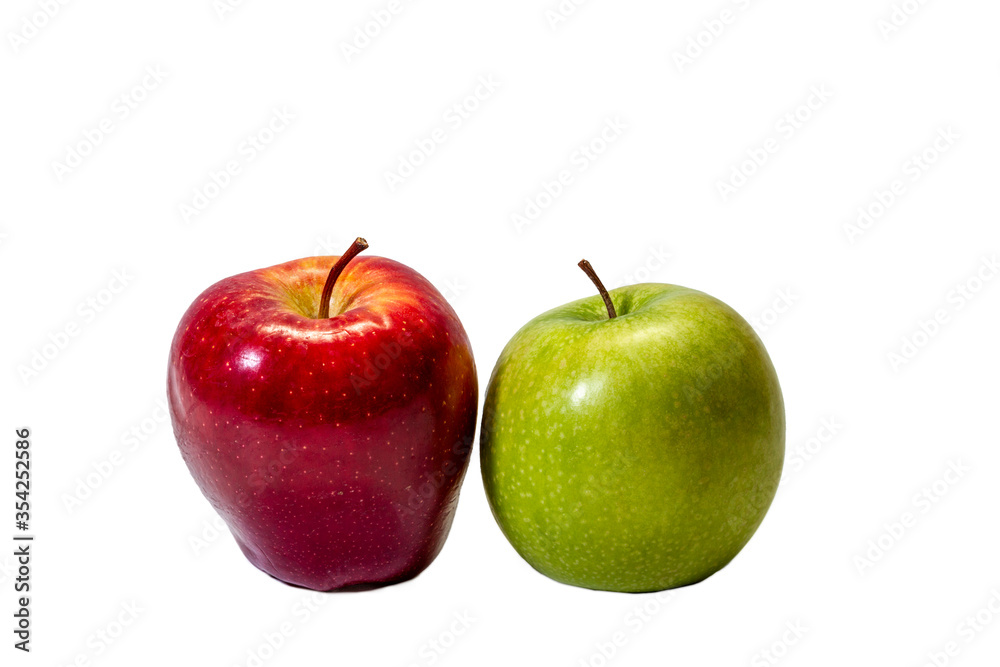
x,y
633,454
334,449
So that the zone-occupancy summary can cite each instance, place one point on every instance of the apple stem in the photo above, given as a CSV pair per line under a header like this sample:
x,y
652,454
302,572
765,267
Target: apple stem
x,y
338,268
589,270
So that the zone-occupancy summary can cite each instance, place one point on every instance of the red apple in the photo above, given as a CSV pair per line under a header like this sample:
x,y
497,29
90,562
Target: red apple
x,y
334,447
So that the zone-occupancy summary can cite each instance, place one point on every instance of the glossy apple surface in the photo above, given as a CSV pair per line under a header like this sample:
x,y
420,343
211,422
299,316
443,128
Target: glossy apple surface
x,y
638,453
333,448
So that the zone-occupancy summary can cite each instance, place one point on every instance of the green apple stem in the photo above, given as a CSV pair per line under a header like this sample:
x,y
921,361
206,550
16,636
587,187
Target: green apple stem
x,y
589,270
338,268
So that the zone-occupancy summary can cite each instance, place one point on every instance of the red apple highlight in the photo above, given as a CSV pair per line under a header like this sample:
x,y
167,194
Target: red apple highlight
x,y
333,447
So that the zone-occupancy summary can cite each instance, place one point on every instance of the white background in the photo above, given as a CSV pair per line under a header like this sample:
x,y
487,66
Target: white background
x,y
831,305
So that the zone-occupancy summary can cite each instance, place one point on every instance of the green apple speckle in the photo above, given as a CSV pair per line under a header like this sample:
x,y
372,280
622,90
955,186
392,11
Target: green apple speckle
x,y
638,453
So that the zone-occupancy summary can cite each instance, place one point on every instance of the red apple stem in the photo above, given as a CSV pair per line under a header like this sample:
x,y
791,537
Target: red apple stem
x,y
589,270
338,268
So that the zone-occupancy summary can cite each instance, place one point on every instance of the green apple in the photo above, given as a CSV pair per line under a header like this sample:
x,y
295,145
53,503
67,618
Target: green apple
x,y
636,444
